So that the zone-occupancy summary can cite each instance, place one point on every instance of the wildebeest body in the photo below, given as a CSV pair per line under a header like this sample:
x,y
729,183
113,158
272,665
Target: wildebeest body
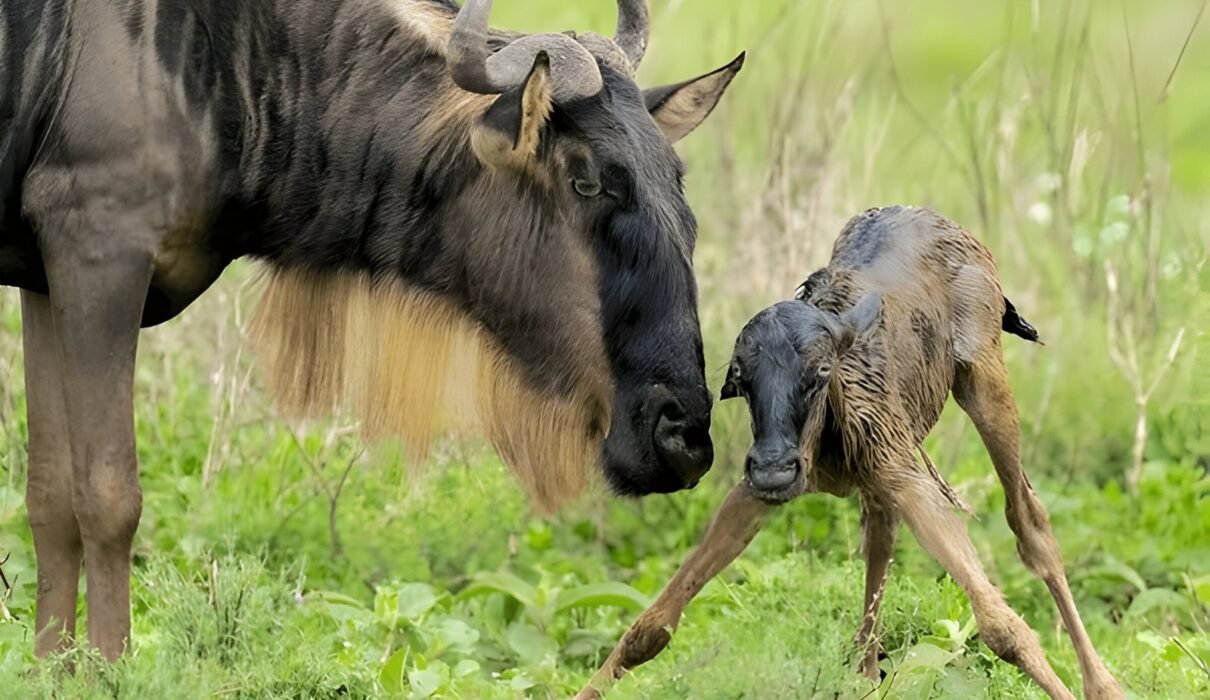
x,y
464,229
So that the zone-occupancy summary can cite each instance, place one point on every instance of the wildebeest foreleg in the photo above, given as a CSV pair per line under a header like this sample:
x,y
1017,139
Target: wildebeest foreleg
x,y
878,526
943,534
736,523
983,392
48,490
99,279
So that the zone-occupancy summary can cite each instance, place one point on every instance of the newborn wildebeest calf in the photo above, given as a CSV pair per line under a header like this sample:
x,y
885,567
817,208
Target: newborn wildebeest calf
x,y
843,383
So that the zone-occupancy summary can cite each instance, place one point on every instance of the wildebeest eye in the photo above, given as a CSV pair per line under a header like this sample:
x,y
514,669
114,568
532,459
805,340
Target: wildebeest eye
x,y
824,369
586,188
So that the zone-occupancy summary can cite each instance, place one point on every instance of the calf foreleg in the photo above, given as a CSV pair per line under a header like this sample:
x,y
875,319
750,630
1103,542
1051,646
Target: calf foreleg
x,y
736,523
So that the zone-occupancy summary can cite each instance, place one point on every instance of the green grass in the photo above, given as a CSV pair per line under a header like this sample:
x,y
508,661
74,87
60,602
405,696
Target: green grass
x,y
283,561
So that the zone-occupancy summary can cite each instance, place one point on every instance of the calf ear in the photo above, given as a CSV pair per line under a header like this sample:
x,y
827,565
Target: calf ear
x,y
508,134
679,108
863,317
857,321
730,385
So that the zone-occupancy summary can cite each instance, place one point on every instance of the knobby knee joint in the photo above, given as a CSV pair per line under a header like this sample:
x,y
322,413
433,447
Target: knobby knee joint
x,y
647,638
108,509
1006,634
642,644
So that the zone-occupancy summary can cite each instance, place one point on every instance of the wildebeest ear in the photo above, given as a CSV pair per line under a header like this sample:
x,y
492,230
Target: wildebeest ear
x,y
508,134
679,108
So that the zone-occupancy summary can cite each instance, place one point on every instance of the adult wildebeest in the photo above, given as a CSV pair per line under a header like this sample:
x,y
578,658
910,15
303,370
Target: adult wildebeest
x,y
464,230
843,384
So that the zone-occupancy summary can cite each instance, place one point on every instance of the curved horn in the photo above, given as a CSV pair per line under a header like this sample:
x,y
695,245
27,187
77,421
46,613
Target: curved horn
x,y
574,72
634,27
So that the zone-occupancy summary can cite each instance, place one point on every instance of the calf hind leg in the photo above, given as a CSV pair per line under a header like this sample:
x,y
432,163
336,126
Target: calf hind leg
x,y
983,392
878,526
943,535
48,492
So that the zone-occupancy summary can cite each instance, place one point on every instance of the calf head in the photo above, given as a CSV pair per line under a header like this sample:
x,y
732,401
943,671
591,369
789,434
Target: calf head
x,y
785,365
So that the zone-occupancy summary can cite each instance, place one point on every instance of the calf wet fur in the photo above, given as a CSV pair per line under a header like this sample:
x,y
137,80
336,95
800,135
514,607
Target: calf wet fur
x,y
844,382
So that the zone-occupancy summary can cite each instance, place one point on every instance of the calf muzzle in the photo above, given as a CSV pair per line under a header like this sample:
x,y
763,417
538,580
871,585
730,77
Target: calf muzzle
x,y
775,479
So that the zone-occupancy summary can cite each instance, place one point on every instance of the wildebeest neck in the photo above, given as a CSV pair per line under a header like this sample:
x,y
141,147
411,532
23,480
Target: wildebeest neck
x,y
336,122
344,146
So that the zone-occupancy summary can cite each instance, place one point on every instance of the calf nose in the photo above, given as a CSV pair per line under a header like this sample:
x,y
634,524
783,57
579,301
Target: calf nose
x,y
772,476
683,445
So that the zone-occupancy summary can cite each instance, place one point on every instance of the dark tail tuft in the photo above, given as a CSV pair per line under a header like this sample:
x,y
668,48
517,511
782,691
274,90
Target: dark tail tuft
x,y
1013,323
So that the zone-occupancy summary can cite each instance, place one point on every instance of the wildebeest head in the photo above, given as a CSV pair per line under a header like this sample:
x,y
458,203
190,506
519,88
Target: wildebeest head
x,y
577,160
784,365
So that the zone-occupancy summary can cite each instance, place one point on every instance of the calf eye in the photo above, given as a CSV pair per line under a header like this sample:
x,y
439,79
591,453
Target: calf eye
x,y
586,188
824,370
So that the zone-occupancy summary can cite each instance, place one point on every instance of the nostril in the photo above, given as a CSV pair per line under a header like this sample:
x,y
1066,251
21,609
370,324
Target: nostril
x,y
697,437
671,411
683,445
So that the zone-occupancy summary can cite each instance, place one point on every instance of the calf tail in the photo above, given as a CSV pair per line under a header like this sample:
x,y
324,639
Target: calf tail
x,y
1013,323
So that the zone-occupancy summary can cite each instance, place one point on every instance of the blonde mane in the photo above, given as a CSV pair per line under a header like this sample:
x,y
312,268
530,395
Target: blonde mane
x,y
411,365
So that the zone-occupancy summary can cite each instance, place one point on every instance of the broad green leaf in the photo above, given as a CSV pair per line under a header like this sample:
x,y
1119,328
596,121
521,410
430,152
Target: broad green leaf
x,y
961,685
415,599
391,675
587,642
1154,598
926,656
530,645
504,583
608,594
425,682
466,667
456,635
1114,569
521,682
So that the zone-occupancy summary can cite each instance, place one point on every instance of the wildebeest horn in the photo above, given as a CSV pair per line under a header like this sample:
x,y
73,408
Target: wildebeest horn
x,y
574,72
634,27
